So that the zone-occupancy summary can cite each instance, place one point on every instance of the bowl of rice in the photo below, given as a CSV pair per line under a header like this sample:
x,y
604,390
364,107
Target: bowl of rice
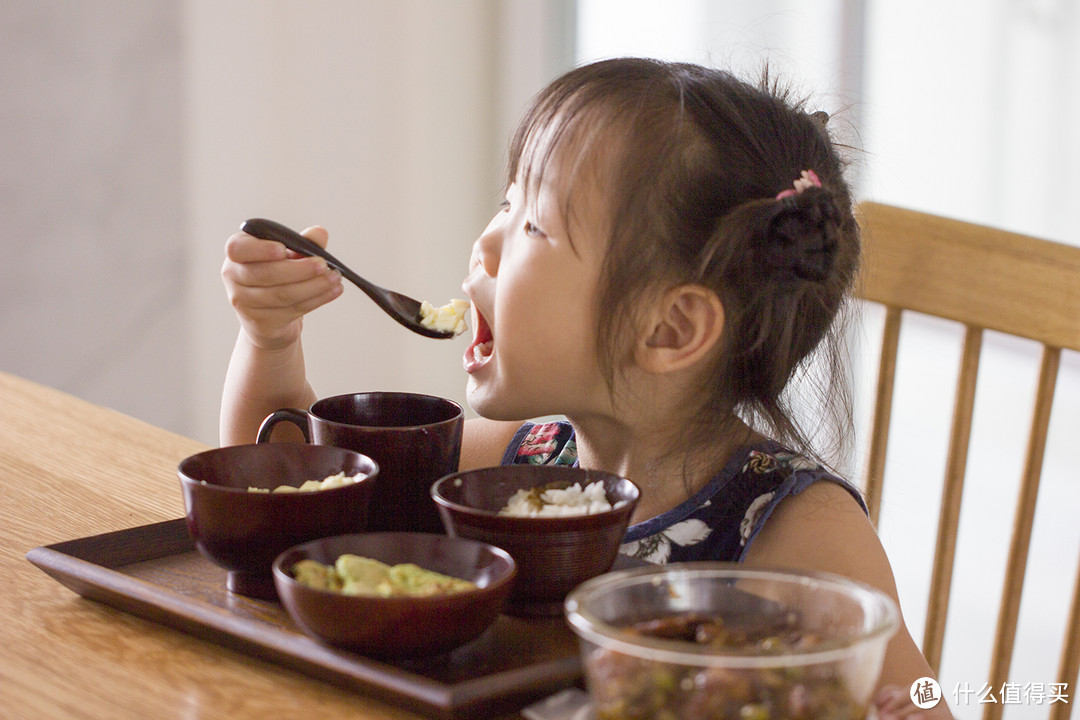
x,y
561,525
245,504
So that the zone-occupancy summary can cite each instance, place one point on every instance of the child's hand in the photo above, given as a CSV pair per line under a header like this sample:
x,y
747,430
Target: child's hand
x,y
894,703
271,287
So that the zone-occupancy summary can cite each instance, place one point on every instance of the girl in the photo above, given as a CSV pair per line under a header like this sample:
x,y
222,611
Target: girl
x,y
672,247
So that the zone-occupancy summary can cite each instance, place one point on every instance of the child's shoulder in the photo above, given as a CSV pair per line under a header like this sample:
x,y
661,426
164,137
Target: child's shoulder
x,y
773,475
723,519
769,456
484,441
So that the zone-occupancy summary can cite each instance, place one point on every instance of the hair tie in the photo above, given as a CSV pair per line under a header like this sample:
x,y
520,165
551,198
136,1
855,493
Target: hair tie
x,y
800,234
807,179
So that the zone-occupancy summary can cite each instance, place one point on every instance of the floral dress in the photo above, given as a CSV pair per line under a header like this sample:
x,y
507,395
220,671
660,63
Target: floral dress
x,y
720,521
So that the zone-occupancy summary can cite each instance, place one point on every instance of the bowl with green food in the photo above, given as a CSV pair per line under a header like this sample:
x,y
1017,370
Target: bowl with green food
x,y
718,640
394,594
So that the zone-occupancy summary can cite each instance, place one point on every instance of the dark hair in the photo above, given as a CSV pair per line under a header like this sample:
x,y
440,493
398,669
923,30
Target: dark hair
x,y
692,160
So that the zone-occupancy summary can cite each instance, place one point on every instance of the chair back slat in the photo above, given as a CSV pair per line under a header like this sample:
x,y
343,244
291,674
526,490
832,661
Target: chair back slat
x,y
934,265
1016,564
952,493
879,434
1069,667
984,279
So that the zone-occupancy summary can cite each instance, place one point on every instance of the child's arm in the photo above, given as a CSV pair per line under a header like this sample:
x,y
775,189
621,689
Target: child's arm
x,y
484,442
824,529
270,289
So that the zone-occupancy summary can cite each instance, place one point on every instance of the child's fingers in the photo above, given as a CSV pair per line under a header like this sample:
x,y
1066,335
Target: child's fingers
x,y
315,301
314,233
891,697
296,297
244,248
909,712
269,321
253,262
271,287
317,234
894,703
270,316
283,272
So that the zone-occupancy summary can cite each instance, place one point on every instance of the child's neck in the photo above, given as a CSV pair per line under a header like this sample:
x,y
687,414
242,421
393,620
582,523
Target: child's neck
x,y
657,461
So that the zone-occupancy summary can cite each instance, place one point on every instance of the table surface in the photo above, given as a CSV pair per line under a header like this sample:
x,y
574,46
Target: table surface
x,y
72,469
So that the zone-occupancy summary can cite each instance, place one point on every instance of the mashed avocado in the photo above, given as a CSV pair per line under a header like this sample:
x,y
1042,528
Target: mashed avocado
x,y
316,575
355,575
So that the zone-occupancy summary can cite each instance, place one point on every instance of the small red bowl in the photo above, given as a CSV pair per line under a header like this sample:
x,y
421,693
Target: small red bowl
x,y
399,626
553,554
244,531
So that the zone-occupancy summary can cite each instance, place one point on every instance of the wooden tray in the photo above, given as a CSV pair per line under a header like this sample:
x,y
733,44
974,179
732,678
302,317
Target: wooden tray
x,y
154,571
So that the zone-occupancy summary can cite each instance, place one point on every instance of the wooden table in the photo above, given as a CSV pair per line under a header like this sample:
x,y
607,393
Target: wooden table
x,y
71,469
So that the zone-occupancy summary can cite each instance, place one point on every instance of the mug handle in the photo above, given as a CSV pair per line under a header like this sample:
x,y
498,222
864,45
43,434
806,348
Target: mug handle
x,y
299,418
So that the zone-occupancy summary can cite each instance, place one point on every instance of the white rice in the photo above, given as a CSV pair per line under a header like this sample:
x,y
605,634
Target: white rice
x,y
333,481
559,503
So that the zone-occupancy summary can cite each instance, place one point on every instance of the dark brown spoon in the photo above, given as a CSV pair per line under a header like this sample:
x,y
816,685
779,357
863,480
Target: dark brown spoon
x,y
402,308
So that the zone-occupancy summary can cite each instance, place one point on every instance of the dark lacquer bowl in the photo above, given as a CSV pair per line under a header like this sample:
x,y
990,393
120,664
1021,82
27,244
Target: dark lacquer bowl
x,y
553,554
244,531
399,626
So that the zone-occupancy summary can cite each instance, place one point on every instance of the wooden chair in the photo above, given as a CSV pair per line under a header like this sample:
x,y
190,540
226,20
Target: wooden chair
x,y
986,279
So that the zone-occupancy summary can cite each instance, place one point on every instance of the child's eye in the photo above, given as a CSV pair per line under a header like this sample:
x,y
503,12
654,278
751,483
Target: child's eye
x,y
504,206
531,229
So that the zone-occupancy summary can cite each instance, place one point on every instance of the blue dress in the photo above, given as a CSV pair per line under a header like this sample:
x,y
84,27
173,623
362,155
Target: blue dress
x,y
720,521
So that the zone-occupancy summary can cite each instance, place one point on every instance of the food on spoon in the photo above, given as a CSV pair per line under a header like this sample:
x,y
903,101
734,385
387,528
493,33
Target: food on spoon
x,y
333,481
448,318
356,575
554,501
641,689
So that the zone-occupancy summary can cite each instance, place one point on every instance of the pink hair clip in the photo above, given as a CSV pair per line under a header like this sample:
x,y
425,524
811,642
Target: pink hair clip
x,y
807,179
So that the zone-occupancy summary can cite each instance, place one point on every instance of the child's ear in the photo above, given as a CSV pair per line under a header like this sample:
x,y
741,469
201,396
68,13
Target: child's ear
x,y
685,325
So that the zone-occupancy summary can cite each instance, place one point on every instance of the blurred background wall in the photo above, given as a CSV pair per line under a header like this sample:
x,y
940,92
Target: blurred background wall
x,y
135,137
94,245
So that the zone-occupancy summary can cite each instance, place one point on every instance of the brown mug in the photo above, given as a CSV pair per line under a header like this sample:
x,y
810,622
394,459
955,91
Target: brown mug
x,y
415,439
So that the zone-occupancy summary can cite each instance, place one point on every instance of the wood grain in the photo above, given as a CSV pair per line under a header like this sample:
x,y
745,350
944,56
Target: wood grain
x,y
952,493
978,276
1020,544
985,279
154,571
71,469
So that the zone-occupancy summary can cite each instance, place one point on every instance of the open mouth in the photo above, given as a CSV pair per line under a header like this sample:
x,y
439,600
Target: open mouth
x,y
480,350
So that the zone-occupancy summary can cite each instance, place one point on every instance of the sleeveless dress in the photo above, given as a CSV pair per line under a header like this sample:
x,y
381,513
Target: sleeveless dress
x,y
720,521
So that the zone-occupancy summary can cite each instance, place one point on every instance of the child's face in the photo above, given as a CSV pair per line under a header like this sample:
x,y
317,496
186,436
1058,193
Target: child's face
x,y
532,281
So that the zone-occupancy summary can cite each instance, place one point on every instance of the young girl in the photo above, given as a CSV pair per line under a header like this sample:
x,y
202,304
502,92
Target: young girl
x,y
673,246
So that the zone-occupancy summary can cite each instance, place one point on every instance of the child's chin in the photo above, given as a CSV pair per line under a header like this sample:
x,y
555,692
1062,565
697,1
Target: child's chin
x,y
477,399
486,405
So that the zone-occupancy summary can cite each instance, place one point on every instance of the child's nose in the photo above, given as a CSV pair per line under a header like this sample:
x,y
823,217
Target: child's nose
x,y
485,252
